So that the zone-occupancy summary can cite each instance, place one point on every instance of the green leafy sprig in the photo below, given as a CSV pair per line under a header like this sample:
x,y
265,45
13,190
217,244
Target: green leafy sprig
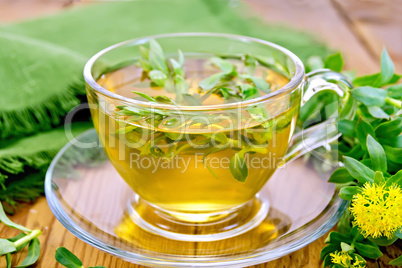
x,y
228,83
27,238
371,152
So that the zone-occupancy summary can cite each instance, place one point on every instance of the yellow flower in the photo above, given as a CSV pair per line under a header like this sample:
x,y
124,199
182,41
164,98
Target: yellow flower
x,y
377,210
340,257
345,260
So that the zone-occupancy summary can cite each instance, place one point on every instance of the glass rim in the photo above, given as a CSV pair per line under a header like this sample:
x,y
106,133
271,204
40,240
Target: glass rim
x,y
295,80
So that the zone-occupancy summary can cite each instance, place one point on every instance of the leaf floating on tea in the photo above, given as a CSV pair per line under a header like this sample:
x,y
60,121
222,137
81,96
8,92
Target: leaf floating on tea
x,y
145,96
258,82
156,57
211,81
226,66
158,77
238,167
164,99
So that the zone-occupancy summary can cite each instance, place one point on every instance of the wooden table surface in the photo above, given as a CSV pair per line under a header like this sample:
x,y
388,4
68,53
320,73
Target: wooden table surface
x,y
358,28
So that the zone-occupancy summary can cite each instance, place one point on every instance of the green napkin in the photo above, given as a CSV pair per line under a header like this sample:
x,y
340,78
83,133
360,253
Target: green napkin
x,y
23,162
34,90
41,65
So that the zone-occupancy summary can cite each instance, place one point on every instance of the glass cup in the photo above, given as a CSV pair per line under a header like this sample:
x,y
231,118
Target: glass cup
x,y
202,166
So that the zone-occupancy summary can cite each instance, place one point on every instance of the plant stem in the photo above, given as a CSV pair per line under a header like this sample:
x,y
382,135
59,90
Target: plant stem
x,y
393,102
32,235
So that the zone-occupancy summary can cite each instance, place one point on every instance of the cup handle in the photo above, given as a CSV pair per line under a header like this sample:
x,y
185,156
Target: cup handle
x,y
325,132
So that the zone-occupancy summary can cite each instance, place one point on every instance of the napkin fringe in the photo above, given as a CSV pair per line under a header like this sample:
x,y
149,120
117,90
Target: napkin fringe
x,y
22,189
37,118
17,164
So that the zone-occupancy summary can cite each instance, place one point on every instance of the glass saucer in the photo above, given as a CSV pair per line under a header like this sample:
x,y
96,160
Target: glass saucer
x,y
89,198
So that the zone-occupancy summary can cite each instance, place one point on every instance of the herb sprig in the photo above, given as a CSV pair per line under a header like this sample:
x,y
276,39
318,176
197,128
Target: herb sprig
x,y
27,238
229,84
370,177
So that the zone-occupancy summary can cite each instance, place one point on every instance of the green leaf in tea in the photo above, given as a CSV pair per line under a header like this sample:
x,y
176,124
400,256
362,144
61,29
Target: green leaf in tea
x,y
238,167
144,52
258,82
145,96
181,87
181,58
158,77
226,66
191,99
248,91
260,114
177,68
211,81
250,64
212,151
156,57
164,99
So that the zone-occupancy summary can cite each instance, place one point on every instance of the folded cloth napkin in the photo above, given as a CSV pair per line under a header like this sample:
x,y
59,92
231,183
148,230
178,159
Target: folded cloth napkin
x,y
41,65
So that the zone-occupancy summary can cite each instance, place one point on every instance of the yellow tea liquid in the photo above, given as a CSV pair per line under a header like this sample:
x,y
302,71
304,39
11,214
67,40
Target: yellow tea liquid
x,y
191,174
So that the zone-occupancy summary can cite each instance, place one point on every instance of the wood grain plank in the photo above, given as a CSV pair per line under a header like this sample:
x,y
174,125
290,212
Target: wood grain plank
x,y
377,24
320,18
15,10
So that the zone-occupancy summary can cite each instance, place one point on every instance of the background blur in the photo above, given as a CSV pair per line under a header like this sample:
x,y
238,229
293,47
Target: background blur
x,y
358,28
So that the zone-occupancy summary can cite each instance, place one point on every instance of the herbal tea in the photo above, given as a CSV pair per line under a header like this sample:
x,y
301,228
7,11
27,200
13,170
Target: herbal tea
x,y
185,160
